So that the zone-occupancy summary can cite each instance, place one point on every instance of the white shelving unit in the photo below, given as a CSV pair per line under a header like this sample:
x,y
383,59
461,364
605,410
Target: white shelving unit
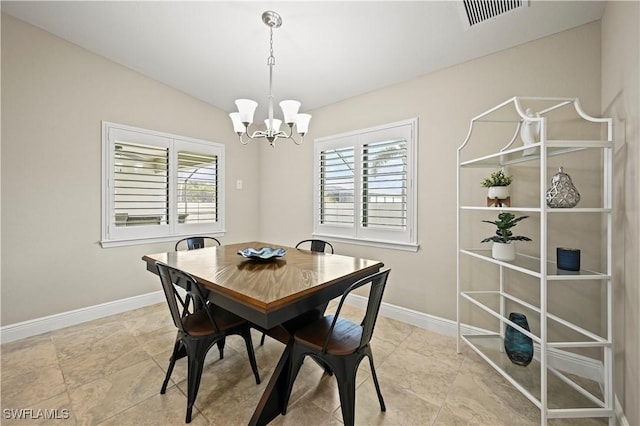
x,y
545,378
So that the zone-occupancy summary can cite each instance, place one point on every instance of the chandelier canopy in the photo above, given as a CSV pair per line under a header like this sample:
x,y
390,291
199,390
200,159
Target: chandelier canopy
x,y
246,107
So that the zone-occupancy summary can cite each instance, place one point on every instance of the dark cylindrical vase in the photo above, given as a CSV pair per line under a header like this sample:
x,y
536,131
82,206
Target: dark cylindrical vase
x,y
568,258
518,346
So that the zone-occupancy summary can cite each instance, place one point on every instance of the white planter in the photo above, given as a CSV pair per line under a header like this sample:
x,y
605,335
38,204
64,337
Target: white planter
x,y
500,192
502,251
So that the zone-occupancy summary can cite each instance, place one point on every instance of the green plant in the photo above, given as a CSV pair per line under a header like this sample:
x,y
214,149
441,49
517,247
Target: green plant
x,y
497,179
505,222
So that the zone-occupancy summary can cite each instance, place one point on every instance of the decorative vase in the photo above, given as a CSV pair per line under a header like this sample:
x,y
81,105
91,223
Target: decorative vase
x,y
568,258
519,347
562,193
500,192
503,251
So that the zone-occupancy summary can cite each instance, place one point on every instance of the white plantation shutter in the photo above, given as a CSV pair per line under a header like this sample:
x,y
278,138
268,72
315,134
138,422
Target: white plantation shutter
x,y
197,188
158,187
365,186
140,185
384,184
337,190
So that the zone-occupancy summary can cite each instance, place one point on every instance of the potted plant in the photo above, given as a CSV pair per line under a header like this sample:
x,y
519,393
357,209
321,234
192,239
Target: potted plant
x,y
502,248
497,184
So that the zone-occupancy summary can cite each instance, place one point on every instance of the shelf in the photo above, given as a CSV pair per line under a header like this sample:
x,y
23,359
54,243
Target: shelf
x,y
579,210
538,209
593,340
517,155
500,209
531,266
561,386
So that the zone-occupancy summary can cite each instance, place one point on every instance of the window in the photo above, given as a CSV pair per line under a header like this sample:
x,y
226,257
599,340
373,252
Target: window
x,y
365,186
157,187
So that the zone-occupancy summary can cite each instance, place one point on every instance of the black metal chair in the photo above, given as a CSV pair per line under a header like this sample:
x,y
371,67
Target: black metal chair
x,y
192,243
200,326
195,243
317,245
340,345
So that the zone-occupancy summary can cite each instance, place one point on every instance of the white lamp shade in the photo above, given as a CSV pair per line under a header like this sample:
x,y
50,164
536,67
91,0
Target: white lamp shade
x,y
276,124
290,110
238,127
246,108
302,123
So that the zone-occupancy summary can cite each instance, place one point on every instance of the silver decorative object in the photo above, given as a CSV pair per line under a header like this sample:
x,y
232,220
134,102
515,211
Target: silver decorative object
x,y
562,193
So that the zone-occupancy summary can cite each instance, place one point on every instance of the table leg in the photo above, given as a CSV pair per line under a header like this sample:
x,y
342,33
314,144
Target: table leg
x,y
272,401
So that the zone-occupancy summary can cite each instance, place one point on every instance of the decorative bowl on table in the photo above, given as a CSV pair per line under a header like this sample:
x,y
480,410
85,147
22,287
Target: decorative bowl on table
x,y
264,253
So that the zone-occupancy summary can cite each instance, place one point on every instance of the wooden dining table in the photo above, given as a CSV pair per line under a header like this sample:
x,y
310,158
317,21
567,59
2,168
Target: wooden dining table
x,y
278,296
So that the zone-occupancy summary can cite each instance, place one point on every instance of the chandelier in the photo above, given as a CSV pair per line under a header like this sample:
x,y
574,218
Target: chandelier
x,y
246,107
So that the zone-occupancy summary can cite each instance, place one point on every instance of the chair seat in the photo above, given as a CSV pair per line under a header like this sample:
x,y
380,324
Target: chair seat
x,y
199,323
344,340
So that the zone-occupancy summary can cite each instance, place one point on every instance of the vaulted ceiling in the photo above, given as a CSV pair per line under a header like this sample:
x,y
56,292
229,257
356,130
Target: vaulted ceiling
x,y
325,51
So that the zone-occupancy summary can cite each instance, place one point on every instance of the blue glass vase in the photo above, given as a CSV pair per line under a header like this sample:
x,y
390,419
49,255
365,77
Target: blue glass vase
x,y
518,346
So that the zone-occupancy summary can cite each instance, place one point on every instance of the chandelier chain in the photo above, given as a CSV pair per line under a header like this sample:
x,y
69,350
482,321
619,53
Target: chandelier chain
x,y
271,62
272,59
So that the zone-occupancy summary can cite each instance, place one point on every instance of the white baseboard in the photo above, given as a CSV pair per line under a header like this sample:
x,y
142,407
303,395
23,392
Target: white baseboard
x,y
37,326
419,319
576,364
621,419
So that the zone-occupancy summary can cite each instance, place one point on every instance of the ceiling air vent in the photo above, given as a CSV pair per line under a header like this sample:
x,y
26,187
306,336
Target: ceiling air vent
x,y
478,11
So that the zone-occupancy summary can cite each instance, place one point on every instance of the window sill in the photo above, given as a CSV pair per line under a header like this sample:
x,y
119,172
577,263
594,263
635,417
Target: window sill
x,y
151,240
394,245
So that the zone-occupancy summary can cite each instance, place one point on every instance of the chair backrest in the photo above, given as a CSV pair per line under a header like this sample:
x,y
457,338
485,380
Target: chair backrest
x,y
192,243
194,300
317,245
378,282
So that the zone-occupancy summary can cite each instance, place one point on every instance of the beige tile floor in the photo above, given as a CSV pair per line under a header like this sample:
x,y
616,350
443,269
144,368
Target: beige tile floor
x,y
109,372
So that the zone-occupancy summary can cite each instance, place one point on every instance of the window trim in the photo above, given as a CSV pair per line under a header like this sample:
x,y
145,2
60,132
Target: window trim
x,y
173,230
355,235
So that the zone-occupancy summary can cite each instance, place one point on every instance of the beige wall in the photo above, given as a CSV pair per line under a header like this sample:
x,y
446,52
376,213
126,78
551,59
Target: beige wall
x,y
54,96
621,100
566,64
